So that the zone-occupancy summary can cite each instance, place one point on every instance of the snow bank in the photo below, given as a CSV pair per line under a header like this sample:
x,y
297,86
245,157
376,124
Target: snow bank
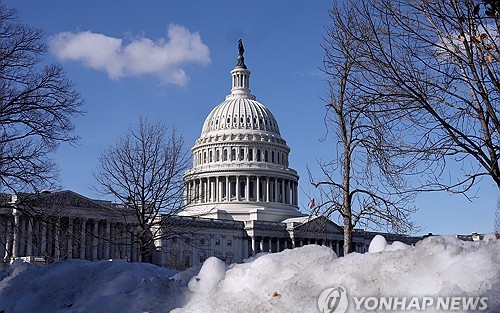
x,y
290,281
83,286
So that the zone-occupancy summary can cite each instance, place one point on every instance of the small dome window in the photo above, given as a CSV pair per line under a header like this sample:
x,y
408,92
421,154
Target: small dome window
x,y
228,120
241,120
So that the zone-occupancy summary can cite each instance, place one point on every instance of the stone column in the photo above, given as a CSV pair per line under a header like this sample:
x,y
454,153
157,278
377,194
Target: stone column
x,y
254,245
83,235
200,197
237,188
57,233
128,243
278,246
228,192
276,197
283,191
107,240
95,242
258,188
29,237
70,238
288,196
8,240
217,190
247,190
268,187
337,250
269,249
261,245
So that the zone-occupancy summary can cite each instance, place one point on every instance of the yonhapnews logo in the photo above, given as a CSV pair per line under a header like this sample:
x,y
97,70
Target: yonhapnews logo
x,y
335,300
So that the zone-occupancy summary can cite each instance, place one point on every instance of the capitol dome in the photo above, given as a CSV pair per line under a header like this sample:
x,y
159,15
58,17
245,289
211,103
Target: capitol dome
x,y
240,162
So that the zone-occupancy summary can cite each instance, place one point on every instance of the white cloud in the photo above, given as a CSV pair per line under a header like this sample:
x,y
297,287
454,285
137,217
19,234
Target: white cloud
x,y
142,56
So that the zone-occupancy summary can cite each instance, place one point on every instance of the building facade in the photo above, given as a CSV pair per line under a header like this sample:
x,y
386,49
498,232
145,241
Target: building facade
x,y
240,199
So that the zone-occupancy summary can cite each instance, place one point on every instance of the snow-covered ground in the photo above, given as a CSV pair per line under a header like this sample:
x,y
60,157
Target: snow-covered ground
x,y
290,281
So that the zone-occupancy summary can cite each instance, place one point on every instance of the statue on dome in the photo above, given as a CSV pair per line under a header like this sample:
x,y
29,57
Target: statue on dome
x,y
241,58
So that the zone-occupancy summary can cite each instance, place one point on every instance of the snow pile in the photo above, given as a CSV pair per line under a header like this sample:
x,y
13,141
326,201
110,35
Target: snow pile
x,y
83,286
290,281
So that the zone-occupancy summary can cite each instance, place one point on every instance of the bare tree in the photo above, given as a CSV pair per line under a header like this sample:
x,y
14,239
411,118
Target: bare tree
x,y
438,62
363,183
143,170
497,220
36,107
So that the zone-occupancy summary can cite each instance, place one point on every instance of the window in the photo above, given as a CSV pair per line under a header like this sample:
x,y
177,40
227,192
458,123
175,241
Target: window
x,y
250,155
272,156
266,156
210,159
251,195
242,188
202,256
224,155
204,157
217,155
202,241
259,156
217,242
241,120
233,188
242,154
229,243
233,154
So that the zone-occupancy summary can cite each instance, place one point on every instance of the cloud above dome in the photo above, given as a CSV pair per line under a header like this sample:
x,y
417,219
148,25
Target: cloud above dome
x,y
163,58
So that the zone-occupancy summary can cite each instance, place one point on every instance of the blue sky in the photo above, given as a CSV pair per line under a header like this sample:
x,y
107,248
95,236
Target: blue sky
x,y
282,42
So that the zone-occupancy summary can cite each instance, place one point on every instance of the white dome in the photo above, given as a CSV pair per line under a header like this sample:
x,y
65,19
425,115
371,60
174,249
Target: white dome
x,y
240,162
240,114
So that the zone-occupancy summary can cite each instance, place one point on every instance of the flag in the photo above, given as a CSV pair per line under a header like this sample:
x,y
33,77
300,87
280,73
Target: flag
x,y
311,204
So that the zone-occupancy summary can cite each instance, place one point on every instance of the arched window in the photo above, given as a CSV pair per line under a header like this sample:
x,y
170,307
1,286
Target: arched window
x,y
233,154
266,156
217,155
250,154
242,154
272,156
204,157
210,158
259,157
224,155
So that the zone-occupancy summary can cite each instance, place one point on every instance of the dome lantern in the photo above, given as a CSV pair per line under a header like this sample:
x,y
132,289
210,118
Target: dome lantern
x,y
240,77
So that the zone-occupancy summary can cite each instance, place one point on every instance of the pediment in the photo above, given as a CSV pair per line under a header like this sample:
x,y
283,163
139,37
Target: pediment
x,y
65,198
313,224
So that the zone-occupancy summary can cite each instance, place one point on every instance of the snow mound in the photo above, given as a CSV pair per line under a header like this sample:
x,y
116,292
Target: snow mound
x,y
83,286
290,281
212,271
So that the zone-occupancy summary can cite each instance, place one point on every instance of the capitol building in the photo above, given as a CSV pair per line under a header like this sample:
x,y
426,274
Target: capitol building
x,y
240,199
